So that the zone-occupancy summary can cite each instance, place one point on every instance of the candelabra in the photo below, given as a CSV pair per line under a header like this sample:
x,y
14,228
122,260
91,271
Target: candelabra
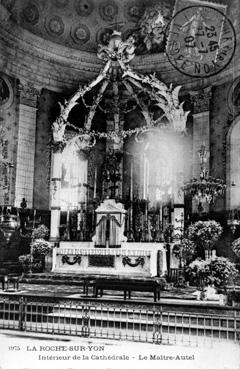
x,y
205,188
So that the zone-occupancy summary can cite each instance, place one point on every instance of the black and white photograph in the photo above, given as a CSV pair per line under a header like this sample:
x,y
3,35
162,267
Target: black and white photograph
x,y
119,184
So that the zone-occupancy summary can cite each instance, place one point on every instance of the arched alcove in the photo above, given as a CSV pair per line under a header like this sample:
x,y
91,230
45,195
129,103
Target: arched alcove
x,y
233,165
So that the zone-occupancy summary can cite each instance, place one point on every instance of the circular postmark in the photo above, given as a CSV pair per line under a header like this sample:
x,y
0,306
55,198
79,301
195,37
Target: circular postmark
x,y
201,41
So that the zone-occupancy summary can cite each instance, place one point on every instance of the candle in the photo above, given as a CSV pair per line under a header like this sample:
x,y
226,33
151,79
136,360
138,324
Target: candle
x,y
34,217
95,184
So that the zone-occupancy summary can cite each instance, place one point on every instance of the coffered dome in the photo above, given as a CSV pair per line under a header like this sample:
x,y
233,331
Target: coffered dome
x,y
79,24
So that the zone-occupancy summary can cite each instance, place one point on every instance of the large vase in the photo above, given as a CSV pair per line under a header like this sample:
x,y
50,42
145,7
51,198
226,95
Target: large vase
x,y
8,225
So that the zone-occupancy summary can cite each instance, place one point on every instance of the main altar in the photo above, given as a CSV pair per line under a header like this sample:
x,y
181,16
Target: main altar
x,y
118,163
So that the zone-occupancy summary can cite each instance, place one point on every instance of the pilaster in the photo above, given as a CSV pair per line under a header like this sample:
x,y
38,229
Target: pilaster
x,y
28,96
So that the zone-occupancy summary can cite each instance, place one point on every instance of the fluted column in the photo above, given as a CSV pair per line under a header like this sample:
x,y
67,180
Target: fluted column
x,y
28,95
201,131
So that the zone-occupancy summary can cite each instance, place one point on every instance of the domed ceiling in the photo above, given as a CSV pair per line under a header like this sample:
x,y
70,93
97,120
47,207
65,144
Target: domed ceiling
x,y
83,24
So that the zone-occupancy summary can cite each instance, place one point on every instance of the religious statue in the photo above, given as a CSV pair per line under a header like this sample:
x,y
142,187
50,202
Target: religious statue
x,y
153,24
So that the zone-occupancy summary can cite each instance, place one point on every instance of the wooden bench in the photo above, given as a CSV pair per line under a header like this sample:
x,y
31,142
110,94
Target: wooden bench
x,y
127,286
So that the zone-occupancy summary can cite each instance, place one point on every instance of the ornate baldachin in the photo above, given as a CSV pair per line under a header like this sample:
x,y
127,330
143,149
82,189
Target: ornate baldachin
x,y
122,52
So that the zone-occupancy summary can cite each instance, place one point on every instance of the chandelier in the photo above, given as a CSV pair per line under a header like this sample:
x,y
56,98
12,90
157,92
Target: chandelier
x,y
205,188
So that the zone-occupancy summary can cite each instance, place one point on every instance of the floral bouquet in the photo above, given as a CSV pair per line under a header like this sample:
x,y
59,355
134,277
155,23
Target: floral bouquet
x,y
26,261
236,246
186,249
223,271
40,247
199,271
40,232
205,233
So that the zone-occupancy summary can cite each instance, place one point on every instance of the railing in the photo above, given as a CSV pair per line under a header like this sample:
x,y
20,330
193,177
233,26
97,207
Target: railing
x,y
134,322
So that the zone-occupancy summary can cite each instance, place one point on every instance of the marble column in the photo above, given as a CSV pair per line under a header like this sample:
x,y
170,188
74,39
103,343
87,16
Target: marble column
x,y
28,95
201,133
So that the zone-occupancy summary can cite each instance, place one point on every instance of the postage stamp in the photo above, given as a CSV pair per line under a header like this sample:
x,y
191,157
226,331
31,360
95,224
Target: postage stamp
x,y
201,41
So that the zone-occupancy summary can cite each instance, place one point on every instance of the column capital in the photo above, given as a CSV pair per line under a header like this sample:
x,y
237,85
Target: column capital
x,y
201,100
28,93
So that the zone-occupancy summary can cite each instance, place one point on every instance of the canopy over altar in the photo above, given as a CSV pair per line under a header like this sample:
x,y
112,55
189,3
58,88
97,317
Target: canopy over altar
x,y
116,191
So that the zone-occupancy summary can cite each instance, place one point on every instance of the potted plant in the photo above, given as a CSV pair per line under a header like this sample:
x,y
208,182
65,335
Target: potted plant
x,y
25,261
199,273
185,250
40,249
205,234
223,272
236,247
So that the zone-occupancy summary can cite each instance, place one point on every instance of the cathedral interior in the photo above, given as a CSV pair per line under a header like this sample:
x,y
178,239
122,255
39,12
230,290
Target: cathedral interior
x,y
100,115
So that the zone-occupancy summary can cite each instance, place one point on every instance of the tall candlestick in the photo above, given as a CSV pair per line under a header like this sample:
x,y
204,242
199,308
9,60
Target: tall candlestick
x,y
144,177
131,183
95,184
147,179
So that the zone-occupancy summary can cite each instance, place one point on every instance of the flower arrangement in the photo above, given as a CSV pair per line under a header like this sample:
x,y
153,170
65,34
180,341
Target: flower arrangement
x,y
223,271
186,249
40,247
205,233
41,232
219,272
236,246
199,272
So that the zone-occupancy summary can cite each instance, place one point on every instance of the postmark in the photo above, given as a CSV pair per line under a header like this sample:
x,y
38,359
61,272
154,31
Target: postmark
x,y
201,41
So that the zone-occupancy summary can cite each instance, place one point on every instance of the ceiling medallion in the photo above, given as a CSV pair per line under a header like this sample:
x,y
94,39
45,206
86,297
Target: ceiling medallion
x,y
31,14
133,10
108,10
9,4
55,26
84,7
80,34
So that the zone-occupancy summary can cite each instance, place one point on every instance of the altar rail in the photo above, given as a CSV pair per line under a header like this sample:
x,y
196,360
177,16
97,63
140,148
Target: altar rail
x,y
133,322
